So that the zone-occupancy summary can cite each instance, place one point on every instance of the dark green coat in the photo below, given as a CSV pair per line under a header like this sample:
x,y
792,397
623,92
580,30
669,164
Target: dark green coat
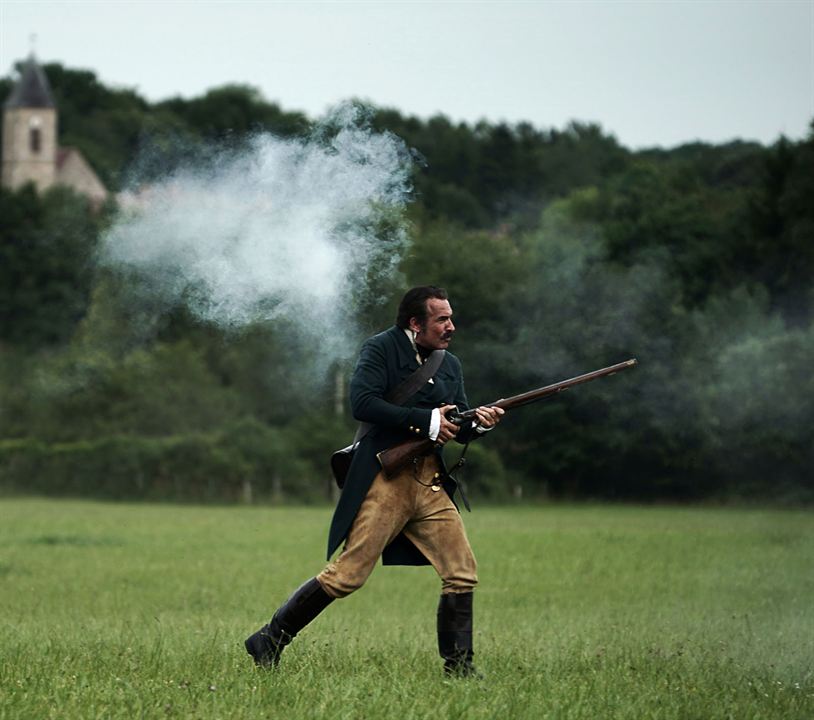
x,y
384,361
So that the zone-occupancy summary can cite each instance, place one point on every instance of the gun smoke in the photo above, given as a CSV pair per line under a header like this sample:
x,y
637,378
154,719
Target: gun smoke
x,y
726,378
283,230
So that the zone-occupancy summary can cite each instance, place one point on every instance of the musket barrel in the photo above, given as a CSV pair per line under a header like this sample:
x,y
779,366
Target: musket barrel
x,y
394,459
539,393
533,395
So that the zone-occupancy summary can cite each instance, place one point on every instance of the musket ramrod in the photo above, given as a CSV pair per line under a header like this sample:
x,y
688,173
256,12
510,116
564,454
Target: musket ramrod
x,y
395,458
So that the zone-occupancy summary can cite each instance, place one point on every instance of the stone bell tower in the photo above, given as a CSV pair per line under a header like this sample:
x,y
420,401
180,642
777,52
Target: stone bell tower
x,y
30,131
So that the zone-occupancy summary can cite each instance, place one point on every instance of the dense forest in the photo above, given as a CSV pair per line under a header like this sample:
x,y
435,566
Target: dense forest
x,y
562,251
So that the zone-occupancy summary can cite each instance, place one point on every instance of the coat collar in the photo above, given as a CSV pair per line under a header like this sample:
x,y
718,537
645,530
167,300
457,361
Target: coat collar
x,y
405,349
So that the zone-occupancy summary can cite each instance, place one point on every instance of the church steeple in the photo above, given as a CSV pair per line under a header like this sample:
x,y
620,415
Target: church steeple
x,y
30,131
32,89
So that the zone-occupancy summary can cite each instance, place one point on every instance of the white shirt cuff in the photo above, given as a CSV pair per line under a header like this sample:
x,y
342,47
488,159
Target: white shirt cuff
x,y
435,424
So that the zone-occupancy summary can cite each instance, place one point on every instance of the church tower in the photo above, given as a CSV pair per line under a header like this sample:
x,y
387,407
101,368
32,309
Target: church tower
x,y
30,131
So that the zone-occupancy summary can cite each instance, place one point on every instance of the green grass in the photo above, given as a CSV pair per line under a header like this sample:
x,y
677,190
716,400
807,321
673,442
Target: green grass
x,y
126,611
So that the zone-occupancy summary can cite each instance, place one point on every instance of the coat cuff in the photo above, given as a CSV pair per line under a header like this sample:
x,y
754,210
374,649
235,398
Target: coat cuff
x,y
435,424
420,423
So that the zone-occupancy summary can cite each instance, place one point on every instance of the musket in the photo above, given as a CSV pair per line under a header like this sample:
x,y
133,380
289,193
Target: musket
x,y
395,458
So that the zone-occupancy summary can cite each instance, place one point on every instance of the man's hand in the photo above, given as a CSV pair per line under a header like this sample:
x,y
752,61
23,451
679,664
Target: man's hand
x,y
448,430
488,417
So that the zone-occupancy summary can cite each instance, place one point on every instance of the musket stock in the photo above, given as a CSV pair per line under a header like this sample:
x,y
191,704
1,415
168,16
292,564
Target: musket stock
x,y
397,457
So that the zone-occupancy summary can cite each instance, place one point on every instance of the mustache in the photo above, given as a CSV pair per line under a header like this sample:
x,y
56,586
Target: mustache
x,y
447,335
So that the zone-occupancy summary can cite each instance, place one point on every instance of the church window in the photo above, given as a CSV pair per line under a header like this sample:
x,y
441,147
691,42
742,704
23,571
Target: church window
x,y
35,135
35,139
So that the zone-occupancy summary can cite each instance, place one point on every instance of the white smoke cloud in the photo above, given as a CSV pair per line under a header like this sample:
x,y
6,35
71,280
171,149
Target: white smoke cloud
x,y
285,229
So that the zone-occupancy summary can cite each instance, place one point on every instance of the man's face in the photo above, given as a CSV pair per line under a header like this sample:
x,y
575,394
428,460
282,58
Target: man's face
x,y
436,332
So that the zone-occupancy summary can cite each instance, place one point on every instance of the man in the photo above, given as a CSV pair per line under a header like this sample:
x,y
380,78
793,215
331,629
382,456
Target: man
x,y
405,519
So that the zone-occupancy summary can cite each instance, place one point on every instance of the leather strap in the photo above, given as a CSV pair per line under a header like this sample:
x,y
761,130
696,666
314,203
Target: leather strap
x,y
407,388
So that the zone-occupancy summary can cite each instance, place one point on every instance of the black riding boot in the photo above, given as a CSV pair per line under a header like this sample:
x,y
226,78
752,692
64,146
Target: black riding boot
x,y
455,634
268,643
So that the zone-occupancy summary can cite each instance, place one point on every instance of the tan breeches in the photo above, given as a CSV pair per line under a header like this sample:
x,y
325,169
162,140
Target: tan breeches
x,y
428,518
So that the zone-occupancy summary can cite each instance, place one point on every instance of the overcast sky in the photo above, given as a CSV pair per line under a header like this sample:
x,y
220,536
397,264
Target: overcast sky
x,y
651,73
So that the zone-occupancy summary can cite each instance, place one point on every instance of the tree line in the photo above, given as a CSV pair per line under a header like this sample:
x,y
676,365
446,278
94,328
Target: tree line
x,y
562,250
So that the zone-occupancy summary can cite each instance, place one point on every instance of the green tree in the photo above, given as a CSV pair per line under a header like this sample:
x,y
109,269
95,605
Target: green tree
x,y
234,110
47,247
778,250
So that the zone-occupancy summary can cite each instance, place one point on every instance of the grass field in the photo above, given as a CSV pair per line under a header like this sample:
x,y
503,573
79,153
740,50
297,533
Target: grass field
x,y
127,611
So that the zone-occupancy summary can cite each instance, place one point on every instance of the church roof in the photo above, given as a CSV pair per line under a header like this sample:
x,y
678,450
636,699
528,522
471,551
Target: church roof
x,y
62,155
32,89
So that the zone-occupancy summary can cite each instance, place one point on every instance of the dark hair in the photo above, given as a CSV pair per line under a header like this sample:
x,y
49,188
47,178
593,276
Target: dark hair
x,y
414,304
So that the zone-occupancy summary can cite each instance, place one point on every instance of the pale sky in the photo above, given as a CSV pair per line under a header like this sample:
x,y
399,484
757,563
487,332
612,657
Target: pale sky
x,y
651,73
